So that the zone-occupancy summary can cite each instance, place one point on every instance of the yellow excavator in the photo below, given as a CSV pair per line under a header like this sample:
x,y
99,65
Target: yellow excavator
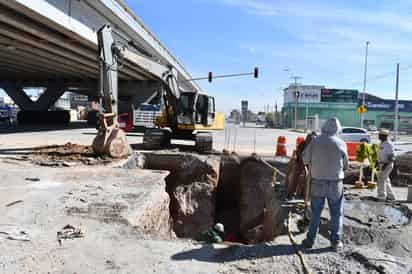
x,y
187,115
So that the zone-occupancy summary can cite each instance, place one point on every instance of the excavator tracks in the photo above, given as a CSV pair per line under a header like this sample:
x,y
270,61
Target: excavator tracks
x,y
155,138
204,142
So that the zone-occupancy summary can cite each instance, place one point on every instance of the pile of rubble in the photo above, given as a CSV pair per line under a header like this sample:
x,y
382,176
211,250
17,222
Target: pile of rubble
x,y
66,155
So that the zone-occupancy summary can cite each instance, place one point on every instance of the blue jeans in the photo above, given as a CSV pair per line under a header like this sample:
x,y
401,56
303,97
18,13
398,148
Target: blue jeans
x,y
333,192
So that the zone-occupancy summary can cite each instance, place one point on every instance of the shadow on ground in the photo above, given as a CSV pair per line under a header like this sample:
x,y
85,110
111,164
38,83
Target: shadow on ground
x,y
208,253
39,128
129,134
17,151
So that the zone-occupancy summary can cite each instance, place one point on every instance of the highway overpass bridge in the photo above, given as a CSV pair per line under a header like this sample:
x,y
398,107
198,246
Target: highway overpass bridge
x,y
53,44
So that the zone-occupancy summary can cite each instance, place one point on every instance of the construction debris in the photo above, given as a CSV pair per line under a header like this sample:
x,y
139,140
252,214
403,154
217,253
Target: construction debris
x,y
12,232
69,232
32,179
14,203
67,155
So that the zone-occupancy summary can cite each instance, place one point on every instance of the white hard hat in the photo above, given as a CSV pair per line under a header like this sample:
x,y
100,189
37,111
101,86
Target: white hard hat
x,y
219,227
384,132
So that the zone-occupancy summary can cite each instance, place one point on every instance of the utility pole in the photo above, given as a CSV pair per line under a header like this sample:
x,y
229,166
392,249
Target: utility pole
x,y
364,82
273,116
396,126
296,94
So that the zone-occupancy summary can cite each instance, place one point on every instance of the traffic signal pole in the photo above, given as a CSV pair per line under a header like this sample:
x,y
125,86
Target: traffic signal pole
x,y
210,76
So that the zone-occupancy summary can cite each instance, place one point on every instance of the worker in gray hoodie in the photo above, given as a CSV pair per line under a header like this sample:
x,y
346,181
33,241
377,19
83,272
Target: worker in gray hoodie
x,y
326,158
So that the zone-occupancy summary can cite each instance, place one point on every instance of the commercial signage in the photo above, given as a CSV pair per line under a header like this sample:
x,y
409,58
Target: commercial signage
x,y
339,95
387,105
302,94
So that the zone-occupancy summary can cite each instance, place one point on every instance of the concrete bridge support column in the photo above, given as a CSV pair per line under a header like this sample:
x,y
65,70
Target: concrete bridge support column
x,y
46,100
37,112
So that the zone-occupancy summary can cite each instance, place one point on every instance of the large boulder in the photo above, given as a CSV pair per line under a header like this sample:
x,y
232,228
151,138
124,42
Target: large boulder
x,y
191,186
260,212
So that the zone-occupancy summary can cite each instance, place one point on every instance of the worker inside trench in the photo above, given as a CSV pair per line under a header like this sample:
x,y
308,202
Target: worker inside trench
x,y
235,192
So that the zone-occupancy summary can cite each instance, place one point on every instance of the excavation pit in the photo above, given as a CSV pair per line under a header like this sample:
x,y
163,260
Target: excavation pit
x,y
205,190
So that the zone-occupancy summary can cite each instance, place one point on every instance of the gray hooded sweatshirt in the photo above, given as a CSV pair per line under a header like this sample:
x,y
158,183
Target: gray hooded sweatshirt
x,y
326,155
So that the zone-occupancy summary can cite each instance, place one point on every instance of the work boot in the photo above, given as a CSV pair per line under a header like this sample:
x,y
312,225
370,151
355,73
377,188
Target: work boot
x,y
381,199
390,199
307,243
337,245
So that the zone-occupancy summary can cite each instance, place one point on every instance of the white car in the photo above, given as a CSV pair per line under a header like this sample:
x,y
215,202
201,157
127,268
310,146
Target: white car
x,y
372,128
354,134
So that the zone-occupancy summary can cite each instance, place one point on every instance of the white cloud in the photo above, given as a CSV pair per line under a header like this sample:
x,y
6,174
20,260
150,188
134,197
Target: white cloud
x,y
315,11
325,42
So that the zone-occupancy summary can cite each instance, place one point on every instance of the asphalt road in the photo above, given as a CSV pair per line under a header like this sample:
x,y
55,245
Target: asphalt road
x,y
252,138
243,140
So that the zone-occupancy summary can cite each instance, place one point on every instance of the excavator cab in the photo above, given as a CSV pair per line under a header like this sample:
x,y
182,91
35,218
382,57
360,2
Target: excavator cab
x,y
194,110
193,119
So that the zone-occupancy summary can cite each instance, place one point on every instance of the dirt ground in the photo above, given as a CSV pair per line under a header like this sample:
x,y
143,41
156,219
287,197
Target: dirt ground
x,y
110,206
123,214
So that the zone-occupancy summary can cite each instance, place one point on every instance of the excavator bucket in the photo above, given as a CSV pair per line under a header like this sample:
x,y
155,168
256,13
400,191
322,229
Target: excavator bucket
x,y
111,141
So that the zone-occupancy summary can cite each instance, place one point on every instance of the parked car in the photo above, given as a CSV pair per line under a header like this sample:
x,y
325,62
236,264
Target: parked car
x,y
354,134
372,128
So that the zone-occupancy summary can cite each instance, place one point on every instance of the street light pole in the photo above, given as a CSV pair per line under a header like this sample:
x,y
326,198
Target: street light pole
x,y
364,82
396,126
295,78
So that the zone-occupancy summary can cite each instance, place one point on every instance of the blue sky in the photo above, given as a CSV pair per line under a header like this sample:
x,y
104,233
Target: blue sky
x,y
321,41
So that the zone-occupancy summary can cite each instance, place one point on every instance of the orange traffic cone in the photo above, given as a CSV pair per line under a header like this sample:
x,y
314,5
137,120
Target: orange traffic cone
x,y
281,146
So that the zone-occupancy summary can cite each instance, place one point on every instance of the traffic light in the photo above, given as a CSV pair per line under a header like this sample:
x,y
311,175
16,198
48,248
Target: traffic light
x,y
210,77
256,72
